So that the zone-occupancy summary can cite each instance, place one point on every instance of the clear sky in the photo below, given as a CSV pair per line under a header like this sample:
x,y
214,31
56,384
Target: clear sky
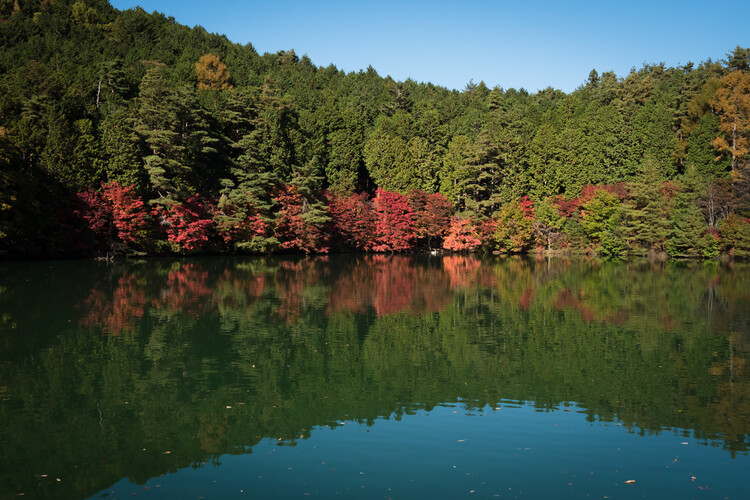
x,y
520,44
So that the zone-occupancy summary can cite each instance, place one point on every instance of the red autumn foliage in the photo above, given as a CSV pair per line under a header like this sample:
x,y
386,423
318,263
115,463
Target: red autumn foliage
x,y
291,229
431,215
114,214
394,227
188,224
462,236
567,208
129,212
527,207
352,220
93,209
467,235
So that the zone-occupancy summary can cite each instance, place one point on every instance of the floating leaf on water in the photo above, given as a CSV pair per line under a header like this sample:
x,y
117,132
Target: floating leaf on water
x,y
630,481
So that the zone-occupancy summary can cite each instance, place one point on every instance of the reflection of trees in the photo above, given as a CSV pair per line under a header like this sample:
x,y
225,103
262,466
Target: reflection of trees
x,y
117,314
290,344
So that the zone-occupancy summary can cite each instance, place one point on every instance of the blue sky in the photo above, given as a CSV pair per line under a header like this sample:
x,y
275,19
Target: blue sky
x,y
519,44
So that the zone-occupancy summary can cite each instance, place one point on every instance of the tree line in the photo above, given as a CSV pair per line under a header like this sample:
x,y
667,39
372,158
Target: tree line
x,y
125,132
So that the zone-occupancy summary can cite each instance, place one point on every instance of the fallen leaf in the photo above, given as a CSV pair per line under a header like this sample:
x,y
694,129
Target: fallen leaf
x,y
630,481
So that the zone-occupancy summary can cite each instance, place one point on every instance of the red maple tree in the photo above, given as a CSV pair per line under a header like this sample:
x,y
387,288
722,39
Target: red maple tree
x,y
188,224
394,228
352,220
431,215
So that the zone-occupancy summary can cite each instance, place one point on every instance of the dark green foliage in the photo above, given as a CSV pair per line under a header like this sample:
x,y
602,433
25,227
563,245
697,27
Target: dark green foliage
x,y
90,94
646,212
602,222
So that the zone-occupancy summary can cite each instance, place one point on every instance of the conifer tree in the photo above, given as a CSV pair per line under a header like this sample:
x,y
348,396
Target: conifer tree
x,y
646,210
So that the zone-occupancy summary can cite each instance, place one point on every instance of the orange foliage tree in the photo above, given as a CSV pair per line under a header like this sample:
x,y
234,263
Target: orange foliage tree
x,y
212,73
733,104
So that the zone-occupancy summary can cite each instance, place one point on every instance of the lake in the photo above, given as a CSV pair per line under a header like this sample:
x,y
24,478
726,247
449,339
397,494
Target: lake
x,y
374,376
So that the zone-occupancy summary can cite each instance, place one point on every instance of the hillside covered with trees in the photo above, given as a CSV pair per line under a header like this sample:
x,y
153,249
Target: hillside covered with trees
x,y
123,132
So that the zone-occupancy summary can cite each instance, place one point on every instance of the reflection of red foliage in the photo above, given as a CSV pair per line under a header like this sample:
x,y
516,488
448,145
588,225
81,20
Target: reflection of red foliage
x,y
291,283
119,314
526,297
461,269
566,298
389,284
353,291
289,289
394,282
186,290
433,291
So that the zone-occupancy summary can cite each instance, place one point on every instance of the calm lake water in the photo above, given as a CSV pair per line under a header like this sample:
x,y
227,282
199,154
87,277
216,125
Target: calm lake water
x,y
374,377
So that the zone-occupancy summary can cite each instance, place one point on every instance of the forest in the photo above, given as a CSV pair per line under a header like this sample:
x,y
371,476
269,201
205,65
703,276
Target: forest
x,y
126,133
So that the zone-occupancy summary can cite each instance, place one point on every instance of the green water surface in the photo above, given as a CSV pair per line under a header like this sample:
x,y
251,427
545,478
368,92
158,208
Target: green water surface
x,y
374,377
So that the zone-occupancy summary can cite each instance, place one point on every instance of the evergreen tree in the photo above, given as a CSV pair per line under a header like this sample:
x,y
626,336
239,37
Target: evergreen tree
x,y
646,210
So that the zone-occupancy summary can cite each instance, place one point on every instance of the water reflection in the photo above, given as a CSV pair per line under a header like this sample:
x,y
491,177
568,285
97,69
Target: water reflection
x,y
136,369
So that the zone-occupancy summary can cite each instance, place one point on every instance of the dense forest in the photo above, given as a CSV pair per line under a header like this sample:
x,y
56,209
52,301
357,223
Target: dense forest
x,y
123,132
